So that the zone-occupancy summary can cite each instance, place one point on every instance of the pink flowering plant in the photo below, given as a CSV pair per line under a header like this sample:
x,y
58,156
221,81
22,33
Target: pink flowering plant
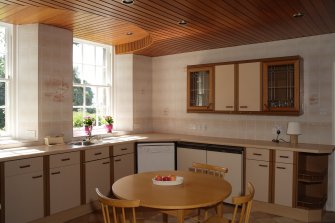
x,y
108,120
88,121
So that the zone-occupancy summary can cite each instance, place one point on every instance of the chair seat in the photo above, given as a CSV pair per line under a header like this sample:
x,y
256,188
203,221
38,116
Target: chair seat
x,y
217,219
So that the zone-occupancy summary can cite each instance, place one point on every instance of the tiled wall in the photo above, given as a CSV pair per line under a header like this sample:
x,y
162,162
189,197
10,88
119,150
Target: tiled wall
x,y
142,82
44,83
169,92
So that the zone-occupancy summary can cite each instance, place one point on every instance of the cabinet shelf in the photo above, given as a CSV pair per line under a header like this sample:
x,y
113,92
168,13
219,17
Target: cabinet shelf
x,y
311,202
311,177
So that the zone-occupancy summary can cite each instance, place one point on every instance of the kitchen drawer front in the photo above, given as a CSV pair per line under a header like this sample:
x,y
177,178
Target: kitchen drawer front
x,y
121,149
23,166
64,159
258,154
284,156
95,154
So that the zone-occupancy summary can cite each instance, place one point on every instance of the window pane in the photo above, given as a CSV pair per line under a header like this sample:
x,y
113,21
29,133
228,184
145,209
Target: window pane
x,y
90,96
77,52
91,112
77,74
100,56
78,96
100,75
78,117
89,74
88,54
2,66
2,119
3,44
2,93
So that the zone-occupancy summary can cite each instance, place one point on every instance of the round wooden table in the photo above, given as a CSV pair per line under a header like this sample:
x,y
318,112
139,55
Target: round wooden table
x,y
197,190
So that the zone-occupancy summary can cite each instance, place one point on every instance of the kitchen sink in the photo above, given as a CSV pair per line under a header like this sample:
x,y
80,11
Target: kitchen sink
x,y
82,143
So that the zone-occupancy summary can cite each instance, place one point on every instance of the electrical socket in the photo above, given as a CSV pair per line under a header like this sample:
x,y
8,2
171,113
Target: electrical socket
x,y
276,128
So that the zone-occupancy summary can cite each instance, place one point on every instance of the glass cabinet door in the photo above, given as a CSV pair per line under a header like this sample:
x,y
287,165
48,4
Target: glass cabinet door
x,y
281,86
200,89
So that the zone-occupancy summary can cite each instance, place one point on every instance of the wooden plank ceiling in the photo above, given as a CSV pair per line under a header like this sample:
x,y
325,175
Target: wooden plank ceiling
x,y
211,24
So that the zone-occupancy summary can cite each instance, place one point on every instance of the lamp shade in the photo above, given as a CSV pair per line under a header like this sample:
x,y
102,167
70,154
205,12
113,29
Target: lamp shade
x,y
293,128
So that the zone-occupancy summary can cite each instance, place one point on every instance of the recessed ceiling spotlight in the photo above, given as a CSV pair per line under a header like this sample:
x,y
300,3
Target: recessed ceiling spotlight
x,y
182,22
298,14
129,33
128,2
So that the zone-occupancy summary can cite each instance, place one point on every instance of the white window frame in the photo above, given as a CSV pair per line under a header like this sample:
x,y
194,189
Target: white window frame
x,y
9,80
109,106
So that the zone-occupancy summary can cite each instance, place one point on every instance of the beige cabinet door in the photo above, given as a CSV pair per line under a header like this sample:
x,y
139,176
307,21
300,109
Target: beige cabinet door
x,y
225,87
24,200
258,173
124,165
283,194
186,156
97,176
64,188
249,86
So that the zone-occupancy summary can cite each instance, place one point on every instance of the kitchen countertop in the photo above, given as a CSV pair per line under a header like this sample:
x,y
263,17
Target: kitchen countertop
x,y
33,151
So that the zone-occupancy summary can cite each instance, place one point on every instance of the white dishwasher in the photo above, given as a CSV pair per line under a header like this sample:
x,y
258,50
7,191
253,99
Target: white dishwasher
x,y
155,157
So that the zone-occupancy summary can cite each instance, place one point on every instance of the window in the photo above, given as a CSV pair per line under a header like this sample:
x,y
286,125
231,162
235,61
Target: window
x,y
4,79
91,83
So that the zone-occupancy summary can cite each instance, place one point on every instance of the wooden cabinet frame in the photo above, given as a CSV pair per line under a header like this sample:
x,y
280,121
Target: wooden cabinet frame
x,y
298,88
296,106
210,106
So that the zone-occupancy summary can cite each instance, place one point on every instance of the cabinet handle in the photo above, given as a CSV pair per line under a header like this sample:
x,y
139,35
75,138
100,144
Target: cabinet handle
x,y
25,166
124,149
263,165
96,154
35,177
105,162
54,173
284,157
229,106
243,106
118,160
257,154
66,159
280,167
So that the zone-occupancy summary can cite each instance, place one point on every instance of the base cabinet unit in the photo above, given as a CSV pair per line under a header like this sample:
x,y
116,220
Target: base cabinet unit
x,y
284,178
312,180
188,153
96,173
64,178
123,160
258,168
24,190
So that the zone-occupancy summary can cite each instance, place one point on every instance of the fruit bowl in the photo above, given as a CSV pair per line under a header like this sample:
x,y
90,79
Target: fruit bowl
x,y
179,180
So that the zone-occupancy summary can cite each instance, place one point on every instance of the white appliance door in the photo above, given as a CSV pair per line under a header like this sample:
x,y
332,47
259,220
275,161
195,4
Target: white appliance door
x,y
234,163
155,157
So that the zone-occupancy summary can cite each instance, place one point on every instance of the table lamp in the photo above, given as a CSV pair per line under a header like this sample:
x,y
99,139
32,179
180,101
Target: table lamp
x,y
293,129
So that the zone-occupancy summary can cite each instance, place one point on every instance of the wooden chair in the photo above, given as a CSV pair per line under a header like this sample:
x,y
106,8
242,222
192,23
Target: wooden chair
x,y
210,169
218,171
245,202
119,208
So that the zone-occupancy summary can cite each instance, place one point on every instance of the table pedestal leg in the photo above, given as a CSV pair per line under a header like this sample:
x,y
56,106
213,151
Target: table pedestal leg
x,y
165,218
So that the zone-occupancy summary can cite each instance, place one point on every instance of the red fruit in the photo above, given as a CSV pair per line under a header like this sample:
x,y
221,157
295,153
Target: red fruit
x,y
158,178
167,178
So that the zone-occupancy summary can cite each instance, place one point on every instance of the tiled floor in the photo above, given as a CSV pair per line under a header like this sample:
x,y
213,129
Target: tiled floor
x,y
150,216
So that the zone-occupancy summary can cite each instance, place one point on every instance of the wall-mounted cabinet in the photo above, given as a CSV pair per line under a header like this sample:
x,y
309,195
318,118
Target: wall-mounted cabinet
x,y
281,86
249,86
265,87
200,89
225,79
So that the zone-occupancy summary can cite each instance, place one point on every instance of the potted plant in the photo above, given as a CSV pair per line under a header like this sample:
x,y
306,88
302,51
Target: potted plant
x,y
108,121
88,123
